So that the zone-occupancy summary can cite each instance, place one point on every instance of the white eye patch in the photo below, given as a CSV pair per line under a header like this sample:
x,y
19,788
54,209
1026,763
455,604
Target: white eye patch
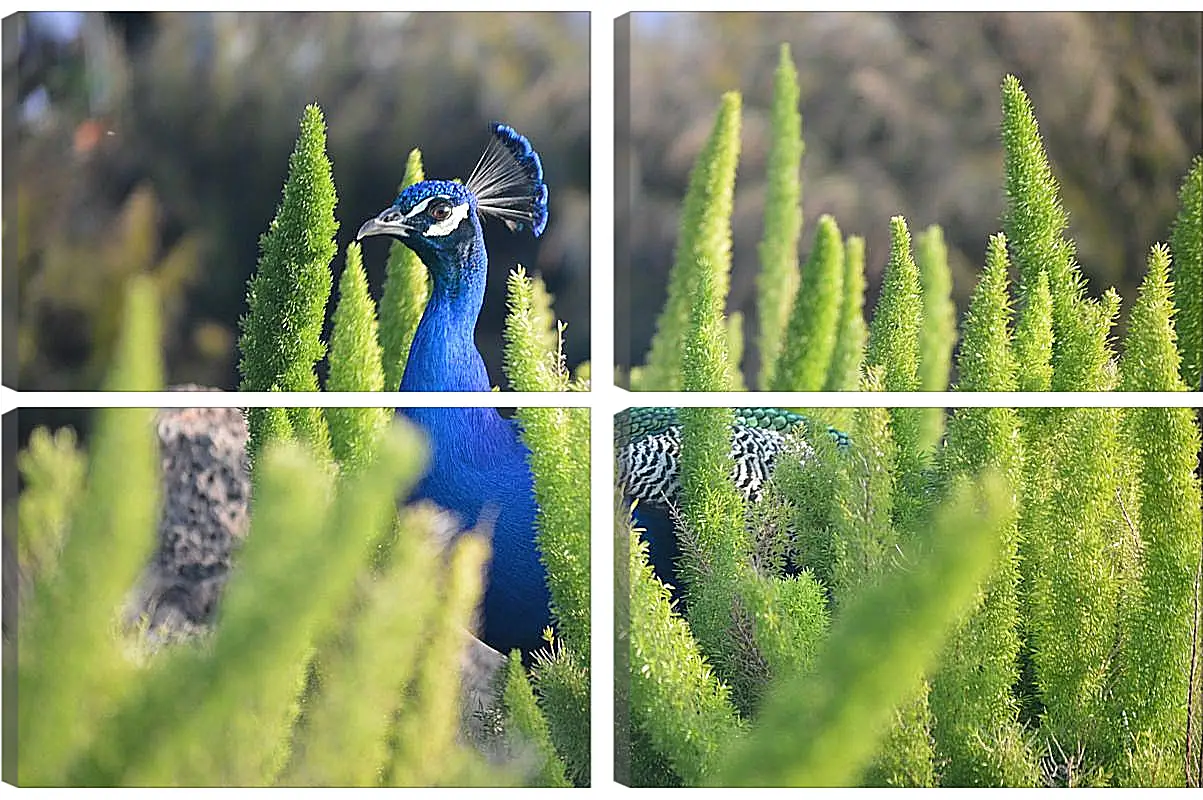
x,y
420,207
458,214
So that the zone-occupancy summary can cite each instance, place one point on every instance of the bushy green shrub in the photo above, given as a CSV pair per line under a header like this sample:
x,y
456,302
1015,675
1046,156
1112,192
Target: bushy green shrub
x,y
1062,661
1059,653
813,342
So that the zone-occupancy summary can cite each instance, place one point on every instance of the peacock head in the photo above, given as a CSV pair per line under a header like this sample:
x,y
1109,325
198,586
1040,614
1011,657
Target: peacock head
x,y
438,219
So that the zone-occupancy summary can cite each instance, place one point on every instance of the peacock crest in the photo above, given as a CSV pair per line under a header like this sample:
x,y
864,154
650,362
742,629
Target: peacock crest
x,y
507,183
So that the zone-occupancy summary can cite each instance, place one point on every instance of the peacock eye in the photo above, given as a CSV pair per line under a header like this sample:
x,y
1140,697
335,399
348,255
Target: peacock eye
x,y
439,210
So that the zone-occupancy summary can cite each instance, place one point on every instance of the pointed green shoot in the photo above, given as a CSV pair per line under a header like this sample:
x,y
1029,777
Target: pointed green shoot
x,y
281,340
1151,361
1034,219
985,362
354,366
810,337
778,279
894,331
703,244
1186,242
894,348
530,364
406,290
938,334
852,334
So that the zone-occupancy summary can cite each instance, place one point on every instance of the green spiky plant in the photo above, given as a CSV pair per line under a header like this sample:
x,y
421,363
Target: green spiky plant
x,y
938,333
813,323
893,350
1062,654
557,437
975,732
1065,662
665,697
778,279
1152,688
281,340
703,247
844,373
355,365
818,340
999,697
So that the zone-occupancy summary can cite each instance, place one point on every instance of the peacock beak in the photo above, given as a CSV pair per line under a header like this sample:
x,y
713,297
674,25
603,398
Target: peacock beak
x,y
388,222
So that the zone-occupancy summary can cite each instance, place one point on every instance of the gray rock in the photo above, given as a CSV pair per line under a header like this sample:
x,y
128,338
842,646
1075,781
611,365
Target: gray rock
x,y
206,492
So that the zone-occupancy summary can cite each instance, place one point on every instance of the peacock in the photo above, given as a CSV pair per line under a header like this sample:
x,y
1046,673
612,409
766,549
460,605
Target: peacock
x,y
648,450
479,467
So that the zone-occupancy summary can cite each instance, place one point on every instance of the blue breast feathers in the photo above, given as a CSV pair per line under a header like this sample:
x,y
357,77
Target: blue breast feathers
x,y
479,469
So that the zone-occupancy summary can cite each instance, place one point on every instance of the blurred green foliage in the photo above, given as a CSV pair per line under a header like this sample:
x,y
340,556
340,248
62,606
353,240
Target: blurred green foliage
x,y
332,662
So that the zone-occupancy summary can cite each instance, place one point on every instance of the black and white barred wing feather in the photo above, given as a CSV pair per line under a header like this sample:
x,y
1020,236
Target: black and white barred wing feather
x,y
649,469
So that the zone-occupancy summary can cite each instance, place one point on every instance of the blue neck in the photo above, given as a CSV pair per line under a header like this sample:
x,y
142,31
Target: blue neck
x,y
479,466
443,356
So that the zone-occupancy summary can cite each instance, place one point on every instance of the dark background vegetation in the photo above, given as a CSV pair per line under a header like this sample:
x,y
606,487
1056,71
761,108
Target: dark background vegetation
x,y
159,143
900,115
